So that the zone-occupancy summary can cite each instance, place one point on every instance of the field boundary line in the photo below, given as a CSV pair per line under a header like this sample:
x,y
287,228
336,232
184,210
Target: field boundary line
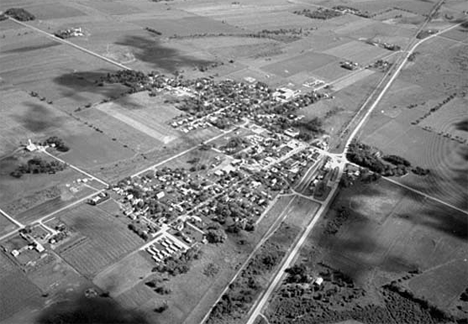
x,y
76,168
426,195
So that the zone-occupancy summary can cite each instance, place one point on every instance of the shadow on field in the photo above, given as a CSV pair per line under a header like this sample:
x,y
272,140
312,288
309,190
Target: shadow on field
x,y
96,310
357,248
462,125
77,84
26,49
151,51
38,118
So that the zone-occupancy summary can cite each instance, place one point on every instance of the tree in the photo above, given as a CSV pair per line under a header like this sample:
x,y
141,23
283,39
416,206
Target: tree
x,y
215,236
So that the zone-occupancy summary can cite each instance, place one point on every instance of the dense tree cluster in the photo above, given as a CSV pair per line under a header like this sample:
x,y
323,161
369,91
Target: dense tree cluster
x,y
339,300
135,80
320,13
420,171
298,273
58,142
158,287
20,14
140,228
238,299
176,265
396,160
37,165
368,157
215,234
334,224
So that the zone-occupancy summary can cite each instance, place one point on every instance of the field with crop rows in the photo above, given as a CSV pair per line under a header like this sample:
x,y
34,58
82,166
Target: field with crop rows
x,y
108,239
21,292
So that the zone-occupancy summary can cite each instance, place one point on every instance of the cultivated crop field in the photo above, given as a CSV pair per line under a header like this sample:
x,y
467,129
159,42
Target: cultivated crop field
x,y
107,239
21,292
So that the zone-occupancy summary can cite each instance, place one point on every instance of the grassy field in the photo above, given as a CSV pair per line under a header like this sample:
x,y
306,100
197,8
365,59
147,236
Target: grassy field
x,y
419,90
6,225
19,195
308,62
389,235
107,239
123,275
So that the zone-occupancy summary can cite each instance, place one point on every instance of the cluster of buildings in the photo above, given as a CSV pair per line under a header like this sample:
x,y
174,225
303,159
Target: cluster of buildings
x,y
70,32
227,103
164,248
349,65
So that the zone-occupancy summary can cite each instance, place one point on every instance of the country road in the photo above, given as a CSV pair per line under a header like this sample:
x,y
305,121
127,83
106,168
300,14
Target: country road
x,y
63,41
292,255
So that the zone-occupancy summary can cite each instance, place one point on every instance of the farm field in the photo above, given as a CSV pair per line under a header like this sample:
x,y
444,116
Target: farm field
x,y
388,240
19,195
387,233
107,239
123,275
22,293
437,104
308,61
6,225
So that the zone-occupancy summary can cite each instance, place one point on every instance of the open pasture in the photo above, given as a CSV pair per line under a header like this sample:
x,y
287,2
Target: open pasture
x,y
382,32
186,26
150,119
117,8
253,17
19,194
355,77
124,274
450,119
444,157
357,51
387,236
457,34
54,10
55,276
303,62
25,117
6,225
302,212
108,239
435,279
441,65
